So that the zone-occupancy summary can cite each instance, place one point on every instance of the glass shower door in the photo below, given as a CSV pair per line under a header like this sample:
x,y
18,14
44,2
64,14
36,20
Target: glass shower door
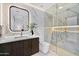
x,y
64,36
65,29
67,41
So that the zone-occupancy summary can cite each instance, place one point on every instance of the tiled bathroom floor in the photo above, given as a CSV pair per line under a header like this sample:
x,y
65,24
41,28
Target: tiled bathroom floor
x,y
50,53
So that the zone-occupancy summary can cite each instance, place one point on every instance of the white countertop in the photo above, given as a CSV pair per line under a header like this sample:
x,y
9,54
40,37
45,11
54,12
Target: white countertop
x,y
13,38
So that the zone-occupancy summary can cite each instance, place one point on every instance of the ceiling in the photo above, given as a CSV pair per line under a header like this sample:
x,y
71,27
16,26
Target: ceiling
x,y
43,5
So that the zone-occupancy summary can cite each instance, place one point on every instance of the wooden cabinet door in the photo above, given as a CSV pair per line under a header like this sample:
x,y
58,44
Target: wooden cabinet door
x,y
27,47
5,49
35,45
8,48
17,48
2,50
14,49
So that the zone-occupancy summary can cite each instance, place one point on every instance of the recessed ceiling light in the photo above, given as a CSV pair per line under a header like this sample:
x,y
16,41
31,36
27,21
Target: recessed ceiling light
x,y
60,7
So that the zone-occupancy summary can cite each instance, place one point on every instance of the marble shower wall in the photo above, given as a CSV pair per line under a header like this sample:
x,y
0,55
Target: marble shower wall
x,y
72,21
59,21
48,21
66,40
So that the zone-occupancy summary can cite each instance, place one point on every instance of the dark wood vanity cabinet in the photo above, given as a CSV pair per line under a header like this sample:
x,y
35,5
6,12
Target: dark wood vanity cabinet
x,y
28,47
34,44
5,49
17,48
20,48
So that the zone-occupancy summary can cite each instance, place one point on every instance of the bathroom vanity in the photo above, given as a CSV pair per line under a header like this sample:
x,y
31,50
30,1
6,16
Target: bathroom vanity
x,y
20,47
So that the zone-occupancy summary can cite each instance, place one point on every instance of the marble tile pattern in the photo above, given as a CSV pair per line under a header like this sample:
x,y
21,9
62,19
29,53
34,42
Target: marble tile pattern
x,y
67,40
37,17
48,22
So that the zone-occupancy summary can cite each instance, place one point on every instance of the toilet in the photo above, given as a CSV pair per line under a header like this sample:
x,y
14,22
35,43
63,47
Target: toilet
x,y
44,47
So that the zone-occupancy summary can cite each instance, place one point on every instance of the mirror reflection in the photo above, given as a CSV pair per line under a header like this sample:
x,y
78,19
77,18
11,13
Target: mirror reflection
x,y
19,19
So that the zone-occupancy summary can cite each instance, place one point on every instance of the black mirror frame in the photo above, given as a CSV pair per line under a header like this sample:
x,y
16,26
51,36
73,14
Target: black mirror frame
x,y
10,18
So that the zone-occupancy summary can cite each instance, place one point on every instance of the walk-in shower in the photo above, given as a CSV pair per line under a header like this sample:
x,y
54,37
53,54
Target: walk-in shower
x,y
64,28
